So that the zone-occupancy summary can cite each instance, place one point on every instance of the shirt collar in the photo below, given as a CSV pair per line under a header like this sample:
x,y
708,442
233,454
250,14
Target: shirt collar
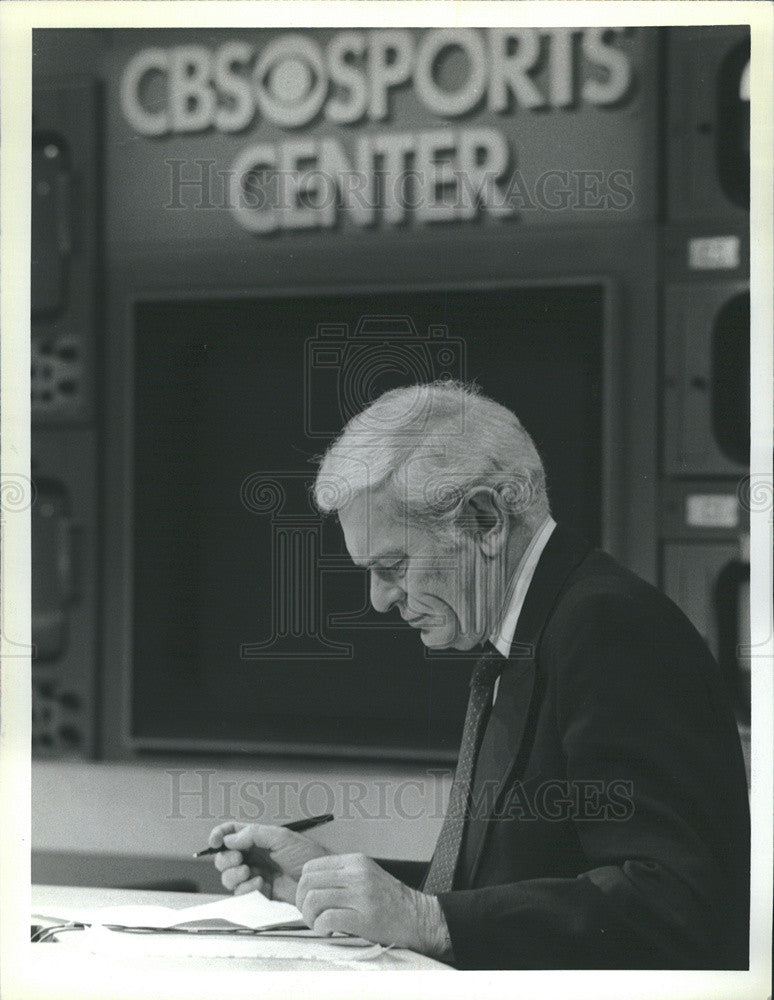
x,y
503,637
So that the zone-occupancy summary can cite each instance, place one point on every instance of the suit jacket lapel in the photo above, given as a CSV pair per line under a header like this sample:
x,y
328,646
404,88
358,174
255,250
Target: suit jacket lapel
x,y
499,754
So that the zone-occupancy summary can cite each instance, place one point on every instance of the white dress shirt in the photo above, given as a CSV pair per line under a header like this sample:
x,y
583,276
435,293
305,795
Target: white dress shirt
x,y
503,638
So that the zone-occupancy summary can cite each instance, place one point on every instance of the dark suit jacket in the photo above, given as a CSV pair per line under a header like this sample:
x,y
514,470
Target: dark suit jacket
x,y
610,819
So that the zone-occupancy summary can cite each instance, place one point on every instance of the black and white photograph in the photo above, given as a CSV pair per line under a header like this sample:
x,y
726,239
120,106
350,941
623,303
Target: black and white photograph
x,y
386,499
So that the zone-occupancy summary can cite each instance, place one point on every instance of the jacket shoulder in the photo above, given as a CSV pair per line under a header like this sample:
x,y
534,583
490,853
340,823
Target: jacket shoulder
x,y
603,598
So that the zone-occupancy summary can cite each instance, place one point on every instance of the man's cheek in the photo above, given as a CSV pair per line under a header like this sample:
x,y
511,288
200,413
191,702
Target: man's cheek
x,y
421,588
438,598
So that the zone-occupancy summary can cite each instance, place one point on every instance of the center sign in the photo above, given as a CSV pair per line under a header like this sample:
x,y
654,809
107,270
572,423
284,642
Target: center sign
x,y
335,99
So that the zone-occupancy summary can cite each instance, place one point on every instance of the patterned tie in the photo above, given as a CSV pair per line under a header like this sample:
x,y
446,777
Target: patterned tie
x,y
440,875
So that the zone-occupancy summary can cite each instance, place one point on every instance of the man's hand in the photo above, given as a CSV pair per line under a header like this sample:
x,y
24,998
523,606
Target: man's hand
x,y
266,858
351,893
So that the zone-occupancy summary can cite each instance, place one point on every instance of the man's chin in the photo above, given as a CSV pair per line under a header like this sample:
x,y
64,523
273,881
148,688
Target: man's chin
x,y
435,638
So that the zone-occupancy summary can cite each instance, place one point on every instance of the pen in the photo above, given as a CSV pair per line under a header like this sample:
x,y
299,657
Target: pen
x,y
298,825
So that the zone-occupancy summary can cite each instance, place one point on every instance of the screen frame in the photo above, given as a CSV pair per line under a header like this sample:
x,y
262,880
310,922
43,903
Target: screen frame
x,y
118,531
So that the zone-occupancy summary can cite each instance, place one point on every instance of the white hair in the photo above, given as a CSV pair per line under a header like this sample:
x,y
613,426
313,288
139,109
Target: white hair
x,y
435,445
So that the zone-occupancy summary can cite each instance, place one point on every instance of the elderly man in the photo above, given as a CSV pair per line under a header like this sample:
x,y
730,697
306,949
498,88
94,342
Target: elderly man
x,y
599,815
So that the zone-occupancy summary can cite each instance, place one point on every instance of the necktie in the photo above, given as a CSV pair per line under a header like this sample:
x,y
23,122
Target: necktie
x,y
440,875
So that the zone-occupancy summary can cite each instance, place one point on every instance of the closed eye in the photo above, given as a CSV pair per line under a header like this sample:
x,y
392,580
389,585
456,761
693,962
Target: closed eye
x,y
394,569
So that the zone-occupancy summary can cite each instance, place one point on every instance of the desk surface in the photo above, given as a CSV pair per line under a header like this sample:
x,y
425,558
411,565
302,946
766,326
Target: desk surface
x,y
47,898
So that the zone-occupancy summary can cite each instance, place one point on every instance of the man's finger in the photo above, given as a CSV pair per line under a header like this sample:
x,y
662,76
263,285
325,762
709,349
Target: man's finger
x,y
219,832
256,884
257,835
316,901
319,878
227,859
343,920
329,862
232,877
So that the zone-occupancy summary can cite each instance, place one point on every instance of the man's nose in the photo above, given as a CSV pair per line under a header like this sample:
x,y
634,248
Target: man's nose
x,y
384,594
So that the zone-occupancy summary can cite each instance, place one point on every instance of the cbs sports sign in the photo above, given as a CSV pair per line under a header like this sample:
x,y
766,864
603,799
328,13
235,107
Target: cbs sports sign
x,y
328,121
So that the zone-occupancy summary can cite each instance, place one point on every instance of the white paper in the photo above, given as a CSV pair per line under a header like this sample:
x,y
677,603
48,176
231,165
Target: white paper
x,y
336,951
251,909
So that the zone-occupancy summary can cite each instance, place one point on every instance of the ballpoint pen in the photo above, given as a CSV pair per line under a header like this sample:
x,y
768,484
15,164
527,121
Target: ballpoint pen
x,y
298,826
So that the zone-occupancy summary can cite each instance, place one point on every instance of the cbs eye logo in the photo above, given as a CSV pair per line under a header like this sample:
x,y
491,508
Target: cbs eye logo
x,y
290,81
190,88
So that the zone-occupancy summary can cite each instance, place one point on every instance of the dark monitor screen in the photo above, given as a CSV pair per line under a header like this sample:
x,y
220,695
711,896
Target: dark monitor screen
x,y
251,628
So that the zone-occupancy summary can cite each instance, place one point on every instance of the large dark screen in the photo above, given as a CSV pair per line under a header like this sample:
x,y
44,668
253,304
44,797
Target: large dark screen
x,y
251,628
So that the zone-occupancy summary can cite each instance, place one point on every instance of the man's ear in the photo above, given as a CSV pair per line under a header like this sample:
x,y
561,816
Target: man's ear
x,y
487,520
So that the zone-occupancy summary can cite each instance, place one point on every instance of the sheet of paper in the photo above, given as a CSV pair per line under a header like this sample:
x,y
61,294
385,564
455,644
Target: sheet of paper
x,y
345,952
252,910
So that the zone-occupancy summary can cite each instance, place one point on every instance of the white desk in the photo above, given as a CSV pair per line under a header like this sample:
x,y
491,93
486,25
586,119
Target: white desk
x,y
54,958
